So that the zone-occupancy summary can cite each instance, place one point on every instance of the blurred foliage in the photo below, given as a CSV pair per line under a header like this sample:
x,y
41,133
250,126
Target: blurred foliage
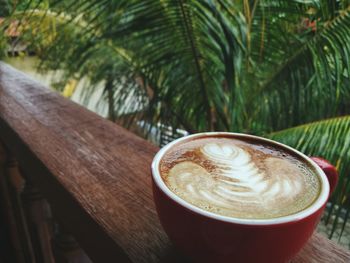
x,y
4,11
5,8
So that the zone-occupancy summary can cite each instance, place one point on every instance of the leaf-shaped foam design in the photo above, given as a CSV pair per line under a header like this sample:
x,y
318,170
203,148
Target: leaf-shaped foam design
x,y
237,165
237,183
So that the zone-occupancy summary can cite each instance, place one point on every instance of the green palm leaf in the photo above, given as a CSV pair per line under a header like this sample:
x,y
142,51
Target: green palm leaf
x,y
301,66
329,139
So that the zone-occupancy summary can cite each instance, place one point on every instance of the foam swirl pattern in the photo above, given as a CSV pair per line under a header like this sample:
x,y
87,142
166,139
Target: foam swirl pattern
x,y
223,177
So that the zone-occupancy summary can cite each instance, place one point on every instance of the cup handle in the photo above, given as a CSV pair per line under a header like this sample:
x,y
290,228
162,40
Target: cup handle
x,y
330,171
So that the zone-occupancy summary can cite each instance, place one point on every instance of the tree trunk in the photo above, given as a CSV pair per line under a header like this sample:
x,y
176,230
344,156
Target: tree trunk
x,y
110,94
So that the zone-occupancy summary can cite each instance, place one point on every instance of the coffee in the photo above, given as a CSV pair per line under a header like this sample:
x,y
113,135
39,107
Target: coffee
x,y
239,178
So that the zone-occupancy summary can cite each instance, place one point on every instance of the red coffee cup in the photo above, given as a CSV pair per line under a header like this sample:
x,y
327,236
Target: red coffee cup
x,y
209,237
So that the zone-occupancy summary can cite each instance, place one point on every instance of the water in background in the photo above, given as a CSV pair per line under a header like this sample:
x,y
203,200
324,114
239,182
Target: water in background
x,y
94,102
29,66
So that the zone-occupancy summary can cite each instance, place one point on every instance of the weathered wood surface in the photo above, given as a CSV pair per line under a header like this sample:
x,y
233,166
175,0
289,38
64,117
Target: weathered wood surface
x,y
96,175
321,250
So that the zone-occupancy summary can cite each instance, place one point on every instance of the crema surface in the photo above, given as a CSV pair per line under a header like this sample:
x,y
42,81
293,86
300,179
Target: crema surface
x,y
239,178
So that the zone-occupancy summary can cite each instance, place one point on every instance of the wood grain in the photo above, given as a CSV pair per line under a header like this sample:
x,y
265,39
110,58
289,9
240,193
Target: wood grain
x,y
321,249
96,175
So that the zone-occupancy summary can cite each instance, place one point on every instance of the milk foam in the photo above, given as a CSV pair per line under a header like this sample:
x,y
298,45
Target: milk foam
x,y
238,179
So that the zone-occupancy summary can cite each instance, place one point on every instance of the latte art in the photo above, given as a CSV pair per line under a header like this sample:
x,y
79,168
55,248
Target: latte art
x,y
239,179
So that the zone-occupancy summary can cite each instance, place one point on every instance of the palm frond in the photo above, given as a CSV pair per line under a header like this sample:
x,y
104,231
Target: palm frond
x,y
329,139
167,43
190,64
307,63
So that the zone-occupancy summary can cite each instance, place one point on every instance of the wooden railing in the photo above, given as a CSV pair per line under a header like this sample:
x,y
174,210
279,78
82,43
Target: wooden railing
x,y
66,172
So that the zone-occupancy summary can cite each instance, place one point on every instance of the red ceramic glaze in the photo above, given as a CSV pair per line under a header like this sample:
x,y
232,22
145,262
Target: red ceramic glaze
x,y
210,239
329,170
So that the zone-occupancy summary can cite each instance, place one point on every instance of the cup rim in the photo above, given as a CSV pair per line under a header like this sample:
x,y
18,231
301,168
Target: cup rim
x,y
314,207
